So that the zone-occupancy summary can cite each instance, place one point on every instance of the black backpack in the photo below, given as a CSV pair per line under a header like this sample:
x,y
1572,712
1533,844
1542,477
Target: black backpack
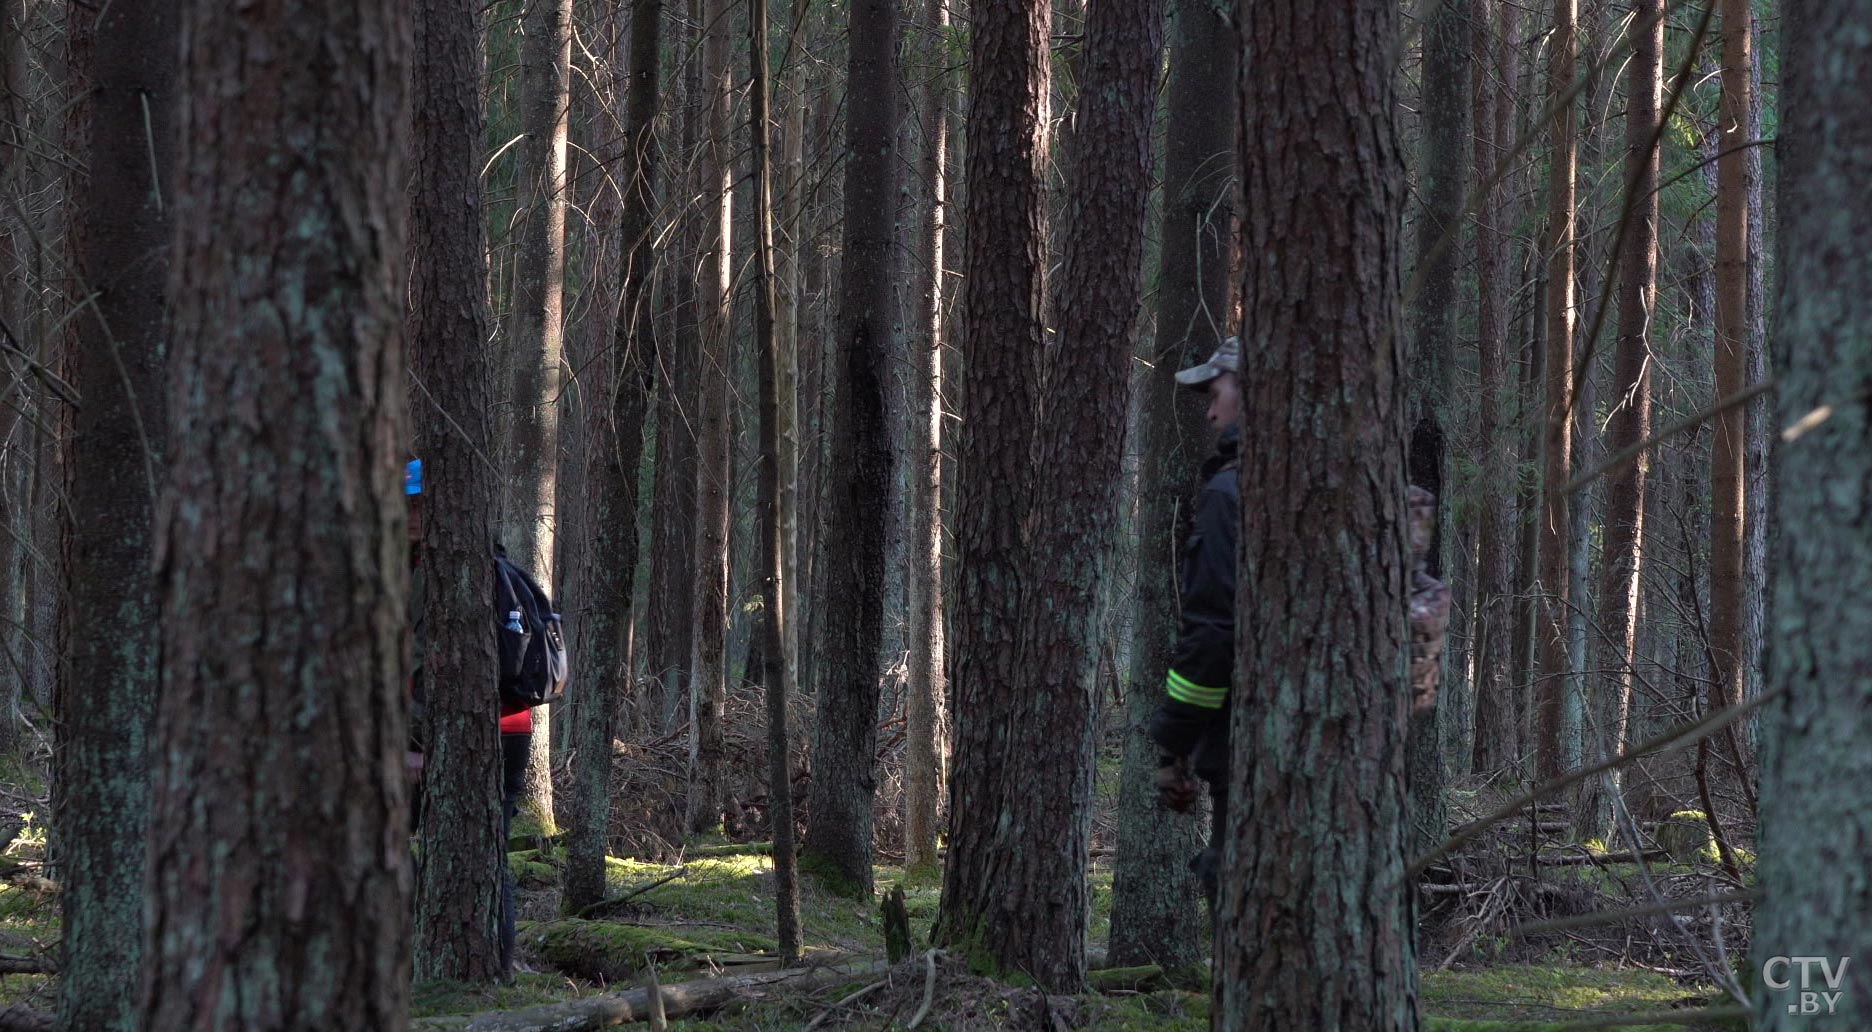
x,y
533,661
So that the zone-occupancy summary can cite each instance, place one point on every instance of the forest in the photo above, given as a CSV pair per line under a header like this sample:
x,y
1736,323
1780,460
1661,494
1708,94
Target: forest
x,y
1027,515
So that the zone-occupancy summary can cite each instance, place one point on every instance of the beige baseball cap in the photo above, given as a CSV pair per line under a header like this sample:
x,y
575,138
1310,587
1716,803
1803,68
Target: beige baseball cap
x,y
1227,359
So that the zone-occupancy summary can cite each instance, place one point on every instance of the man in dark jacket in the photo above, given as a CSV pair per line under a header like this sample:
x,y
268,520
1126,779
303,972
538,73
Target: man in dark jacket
x,y
1191,724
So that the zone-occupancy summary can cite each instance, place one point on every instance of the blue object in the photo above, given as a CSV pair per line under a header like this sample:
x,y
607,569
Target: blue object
x,y
412,477
513,621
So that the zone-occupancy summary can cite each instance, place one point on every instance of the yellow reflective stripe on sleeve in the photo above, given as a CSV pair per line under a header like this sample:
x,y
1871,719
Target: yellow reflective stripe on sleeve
x,y
1182,689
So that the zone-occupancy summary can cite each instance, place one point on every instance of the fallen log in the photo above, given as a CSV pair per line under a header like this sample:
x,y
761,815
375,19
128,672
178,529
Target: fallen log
x,y
11,965
1132,979
679,1000
1650,856
17,1017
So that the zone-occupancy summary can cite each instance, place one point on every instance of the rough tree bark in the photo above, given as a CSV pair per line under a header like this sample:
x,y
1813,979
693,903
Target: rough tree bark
x,y
1155,919
123,65
790,244
1014,890
1442,156
15,247
1814,821
673,502
708,689
613,457
279,896
1497,717
538,334
1080,446
777,660
1551,665
926,684
1728,477
838,843
1615,650
1314,929
459,882
1758,492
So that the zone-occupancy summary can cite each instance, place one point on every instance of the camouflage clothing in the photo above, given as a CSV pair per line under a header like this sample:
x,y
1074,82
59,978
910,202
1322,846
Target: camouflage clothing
x,y
1429,606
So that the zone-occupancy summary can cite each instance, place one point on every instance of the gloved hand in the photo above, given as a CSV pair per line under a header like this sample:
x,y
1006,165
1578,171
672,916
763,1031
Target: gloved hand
x,y
1176,789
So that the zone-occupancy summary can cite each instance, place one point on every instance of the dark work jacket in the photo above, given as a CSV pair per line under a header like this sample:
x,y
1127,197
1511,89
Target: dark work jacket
x,y
1193,716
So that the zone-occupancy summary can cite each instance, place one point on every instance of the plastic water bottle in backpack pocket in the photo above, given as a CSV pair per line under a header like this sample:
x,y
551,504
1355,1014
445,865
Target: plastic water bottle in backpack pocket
x,y
533,658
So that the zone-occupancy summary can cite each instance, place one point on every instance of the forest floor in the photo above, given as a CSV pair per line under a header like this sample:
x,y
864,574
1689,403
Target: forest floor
x,y
706,908
716,916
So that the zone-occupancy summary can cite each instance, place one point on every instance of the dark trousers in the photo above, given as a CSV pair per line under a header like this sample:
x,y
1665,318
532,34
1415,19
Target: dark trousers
x,y
1207,864
515,751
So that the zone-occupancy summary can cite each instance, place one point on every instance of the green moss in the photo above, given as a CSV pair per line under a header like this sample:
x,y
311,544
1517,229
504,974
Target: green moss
x,y
1531,997
29,910
828,877
731,849
532,830
612,951
534,869
1164,1011
1100,883
37,991
527,989
731,890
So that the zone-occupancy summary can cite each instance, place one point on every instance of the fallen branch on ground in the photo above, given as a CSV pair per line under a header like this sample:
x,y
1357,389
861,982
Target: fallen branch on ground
x,y
618,901
679,1000
1669,741
27,965
731,849
1130,979
1603,917
1649,856
929,990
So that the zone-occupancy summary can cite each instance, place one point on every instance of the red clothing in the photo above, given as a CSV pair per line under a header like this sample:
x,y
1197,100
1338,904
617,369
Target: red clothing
x,y
516,719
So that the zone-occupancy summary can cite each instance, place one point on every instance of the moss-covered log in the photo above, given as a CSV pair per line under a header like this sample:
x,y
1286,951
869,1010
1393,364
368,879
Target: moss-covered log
x,y
612,951
679,1000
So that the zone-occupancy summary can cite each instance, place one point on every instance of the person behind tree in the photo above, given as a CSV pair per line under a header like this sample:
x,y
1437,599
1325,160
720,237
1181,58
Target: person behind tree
x,y
1191,724
1429,606
516,719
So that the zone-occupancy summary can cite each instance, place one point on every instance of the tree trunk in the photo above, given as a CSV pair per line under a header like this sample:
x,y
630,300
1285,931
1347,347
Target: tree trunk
x,y
1446,111
673,504
788,308
1154,913
124,68
613,457
1814,781
1552,667
1615,650
1727,573
280,888
1080,444
1314,929
818,267
927,685
708,693
15,298
1012,899
538,332
459,883
1497,718
838,844
772,517
1757,494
